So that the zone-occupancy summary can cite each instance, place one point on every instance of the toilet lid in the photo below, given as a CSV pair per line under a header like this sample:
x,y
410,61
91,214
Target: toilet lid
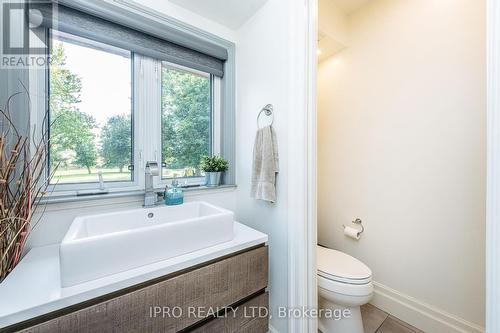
x,y
338,266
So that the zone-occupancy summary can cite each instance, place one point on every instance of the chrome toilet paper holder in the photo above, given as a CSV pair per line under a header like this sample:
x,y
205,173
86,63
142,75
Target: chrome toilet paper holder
x,y
358,222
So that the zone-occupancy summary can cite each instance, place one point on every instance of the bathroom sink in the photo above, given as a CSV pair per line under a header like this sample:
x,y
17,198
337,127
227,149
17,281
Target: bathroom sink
x,y
99,245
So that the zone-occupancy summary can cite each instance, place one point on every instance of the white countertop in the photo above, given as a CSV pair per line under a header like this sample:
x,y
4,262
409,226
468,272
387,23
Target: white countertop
x,y
34,287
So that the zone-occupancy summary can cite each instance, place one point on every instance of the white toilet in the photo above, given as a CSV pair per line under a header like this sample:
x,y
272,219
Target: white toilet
x,y
344,284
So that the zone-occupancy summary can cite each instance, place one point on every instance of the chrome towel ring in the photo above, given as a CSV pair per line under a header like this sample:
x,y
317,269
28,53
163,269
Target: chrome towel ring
x,y
268,110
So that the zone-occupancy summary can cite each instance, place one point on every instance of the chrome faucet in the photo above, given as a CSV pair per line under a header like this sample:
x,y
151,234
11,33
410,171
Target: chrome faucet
x,y
150,197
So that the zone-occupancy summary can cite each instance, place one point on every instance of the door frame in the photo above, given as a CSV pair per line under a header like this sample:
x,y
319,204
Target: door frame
x,y
493,168
302,235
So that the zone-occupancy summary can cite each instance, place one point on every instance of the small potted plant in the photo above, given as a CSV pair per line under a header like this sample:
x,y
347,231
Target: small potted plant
x,y
213,167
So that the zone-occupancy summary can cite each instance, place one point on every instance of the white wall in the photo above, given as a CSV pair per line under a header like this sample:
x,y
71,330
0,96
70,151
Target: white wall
x,y
402,146
333,21
170,9
262,60
333,29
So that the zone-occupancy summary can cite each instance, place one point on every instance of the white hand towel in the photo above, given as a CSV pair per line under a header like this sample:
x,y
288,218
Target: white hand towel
x,y
265,165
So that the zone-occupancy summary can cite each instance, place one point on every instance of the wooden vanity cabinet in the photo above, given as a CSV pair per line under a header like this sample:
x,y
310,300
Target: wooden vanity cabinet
x,y
234,285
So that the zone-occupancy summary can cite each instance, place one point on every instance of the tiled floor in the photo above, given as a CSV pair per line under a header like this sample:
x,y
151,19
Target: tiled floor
x,y
377,321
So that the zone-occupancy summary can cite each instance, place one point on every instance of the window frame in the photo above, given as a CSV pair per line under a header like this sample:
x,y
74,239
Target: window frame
x,y
215,113
66,188
146,81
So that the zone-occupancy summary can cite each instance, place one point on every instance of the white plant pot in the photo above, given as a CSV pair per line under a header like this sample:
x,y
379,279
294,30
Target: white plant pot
x,y
213,178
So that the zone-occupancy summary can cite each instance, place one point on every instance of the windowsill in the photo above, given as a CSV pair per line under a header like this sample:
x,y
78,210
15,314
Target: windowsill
x,y
55,198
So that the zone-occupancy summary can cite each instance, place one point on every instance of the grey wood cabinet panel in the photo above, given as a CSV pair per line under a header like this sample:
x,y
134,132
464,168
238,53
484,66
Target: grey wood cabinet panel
x,y
218,284
251,316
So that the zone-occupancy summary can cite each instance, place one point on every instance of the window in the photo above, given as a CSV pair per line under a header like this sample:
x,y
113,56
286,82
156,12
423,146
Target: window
x,y
118,97
186,119
92,115
90,111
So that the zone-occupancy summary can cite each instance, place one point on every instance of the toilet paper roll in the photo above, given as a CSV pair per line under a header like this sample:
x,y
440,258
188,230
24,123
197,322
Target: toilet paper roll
x,y
352,232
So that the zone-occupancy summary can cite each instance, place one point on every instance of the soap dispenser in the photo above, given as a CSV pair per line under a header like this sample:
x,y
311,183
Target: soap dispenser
x,y
174,195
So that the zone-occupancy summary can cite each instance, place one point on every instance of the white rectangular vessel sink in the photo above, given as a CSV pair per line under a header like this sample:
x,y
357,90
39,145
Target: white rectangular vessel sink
x,y
99,245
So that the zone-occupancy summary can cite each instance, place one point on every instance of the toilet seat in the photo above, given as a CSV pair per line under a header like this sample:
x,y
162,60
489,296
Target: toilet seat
x,y
344,279
341,288
339,267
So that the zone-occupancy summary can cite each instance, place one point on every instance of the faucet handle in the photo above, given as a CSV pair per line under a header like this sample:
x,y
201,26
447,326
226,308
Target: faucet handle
x,y
152,168
101,181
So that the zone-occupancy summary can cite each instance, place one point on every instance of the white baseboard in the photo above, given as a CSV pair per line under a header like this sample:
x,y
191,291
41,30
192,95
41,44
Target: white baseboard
x,y
272,330
419,314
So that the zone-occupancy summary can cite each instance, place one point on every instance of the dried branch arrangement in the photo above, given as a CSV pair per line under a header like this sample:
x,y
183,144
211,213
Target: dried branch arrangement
x,y
23,182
